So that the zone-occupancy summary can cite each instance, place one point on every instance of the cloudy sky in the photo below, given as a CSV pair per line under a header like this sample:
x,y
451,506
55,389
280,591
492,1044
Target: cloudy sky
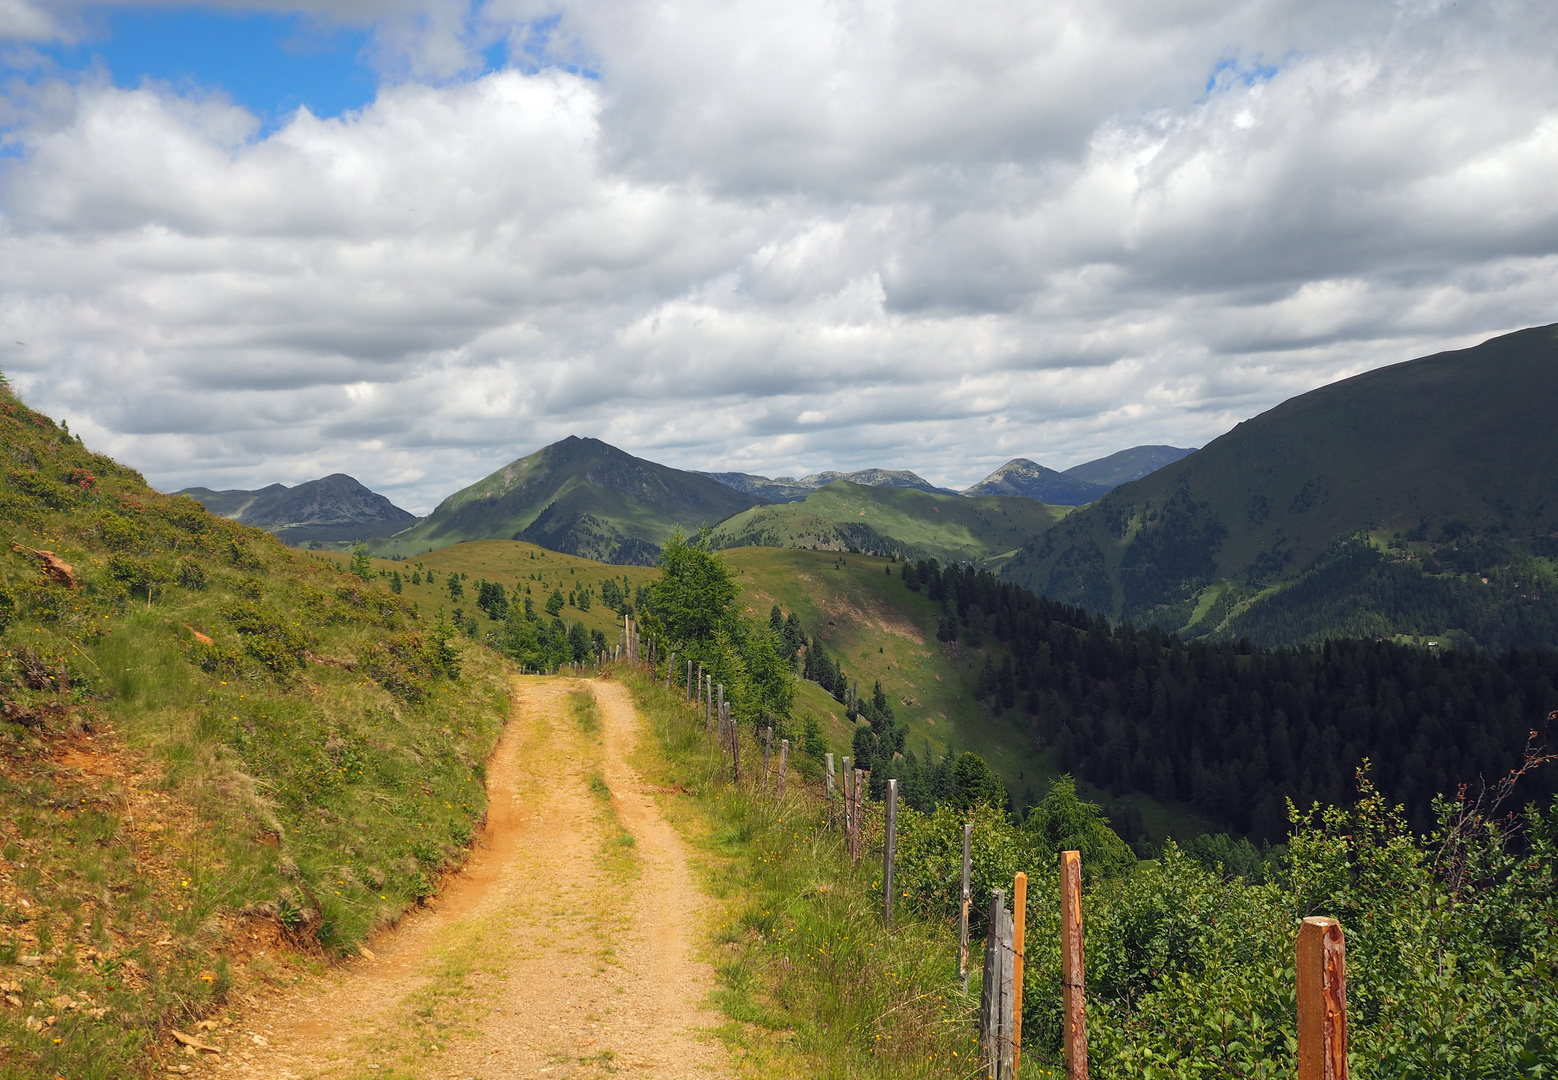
x,y
247,242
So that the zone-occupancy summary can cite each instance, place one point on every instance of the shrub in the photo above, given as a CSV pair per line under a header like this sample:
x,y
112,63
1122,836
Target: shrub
x,y
267,635
40,488
189,574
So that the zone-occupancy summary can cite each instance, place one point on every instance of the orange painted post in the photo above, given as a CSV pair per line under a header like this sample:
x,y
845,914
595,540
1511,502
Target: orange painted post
x,y
1019,932
1074,1011
1322,1000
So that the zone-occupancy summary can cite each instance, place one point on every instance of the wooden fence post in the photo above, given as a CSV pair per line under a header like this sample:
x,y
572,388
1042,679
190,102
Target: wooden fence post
x,y
735,744
995,998
968,843
849,810
889,850
1019,936
784,763
670,670
768,749
1322,1000
1074,1011
860,779
689,680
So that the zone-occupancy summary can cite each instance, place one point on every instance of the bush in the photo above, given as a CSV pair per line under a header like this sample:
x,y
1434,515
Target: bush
x,y
267,635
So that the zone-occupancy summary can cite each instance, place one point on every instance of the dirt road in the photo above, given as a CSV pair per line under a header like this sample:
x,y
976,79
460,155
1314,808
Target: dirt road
x,y
565,949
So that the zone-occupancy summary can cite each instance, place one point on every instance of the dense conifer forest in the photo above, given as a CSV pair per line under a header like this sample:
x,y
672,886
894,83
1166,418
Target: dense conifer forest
x,y
1237,730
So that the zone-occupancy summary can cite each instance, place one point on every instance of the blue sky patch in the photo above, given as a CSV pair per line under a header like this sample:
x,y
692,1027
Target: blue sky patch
x,y
271,64
1232,71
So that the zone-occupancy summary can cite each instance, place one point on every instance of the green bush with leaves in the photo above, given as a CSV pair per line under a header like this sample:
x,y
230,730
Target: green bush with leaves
x,y
1452,962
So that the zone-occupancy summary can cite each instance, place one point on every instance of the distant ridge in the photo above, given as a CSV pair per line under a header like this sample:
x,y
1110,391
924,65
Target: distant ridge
x,y
581,497
784,489
1123,466
1031,480
332,509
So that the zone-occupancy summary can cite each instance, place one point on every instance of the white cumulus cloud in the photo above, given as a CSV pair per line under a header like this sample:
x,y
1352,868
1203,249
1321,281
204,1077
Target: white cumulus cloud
x,y
773,236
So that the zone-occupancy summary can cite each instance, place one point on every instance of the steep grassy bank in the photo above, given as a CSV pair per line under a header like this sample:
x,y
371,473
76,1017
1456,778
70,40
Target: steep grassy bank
x,y
811,983
216,754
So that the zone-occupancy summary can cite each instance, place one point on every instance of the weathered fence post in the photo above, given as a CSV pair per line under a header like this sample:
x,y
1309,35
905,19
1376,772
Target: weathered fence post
x,y
689,680
670,670
968,843
1019,936
735,745
1322,1000
849,815
889,851
995,999
860,780
784,762
1074,1011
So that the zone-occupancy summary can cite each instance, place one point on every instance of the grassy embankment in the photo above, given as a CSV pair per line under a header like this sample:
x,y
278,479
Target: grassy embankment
x,y
216,755
809,980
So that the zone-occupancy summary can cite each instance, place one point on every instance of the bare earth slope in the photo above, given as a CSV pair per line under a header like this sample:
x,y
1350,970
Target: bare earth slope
x,y
559,951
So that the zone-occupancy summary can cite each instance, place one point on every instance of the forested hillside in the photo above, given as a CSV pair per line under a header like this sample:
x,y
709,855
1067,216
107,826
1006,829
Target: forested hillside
x,y
1235,729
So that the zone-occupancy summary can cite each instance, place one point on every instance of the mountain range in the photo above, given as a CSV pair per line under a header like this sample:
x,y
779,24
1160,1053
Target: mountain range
x,y
332,509
1413,502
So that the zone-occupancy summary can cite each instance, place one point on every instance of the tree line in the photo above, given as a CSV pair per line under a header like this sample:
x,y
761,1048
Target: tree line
x,y
1237,730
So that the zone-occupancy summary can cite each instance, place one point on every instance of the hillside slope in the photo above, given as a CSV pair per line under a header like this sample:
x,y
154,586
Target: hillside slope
x,y
1416,499
578,496
215,751
333,509
902,521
